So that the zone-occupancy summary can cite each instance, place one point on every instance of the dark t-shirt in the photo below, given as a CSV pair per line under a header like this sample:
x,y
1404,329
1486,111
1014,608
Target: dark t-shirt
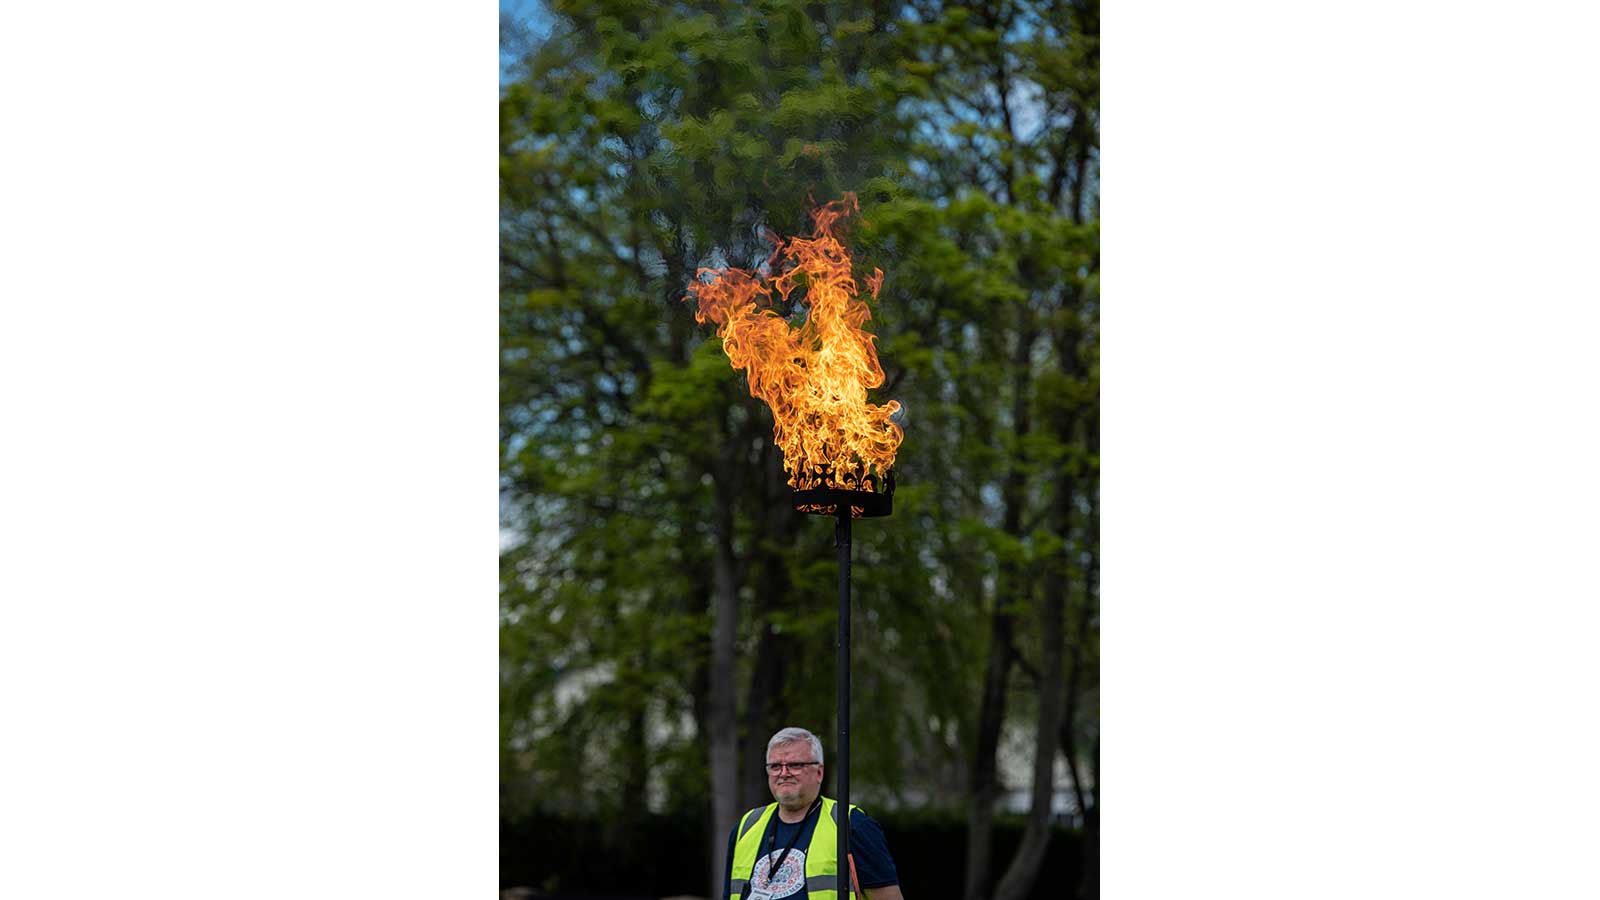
x,y
874,866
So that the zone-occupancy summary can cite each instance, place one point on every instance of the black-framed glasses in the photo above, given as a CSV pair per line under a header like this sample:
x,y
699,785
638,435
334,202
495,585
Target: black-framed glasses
x,y
795,767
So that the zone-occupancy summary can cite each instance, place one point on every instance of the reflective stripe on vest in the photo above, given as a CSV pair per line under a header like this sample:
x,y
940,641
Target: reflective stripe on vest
x,y
822,871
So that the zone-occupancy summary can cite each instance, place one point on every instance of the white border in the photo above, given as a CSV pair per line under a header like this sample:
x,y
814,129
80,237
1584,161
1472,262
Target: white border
x,y
249,632
1350,490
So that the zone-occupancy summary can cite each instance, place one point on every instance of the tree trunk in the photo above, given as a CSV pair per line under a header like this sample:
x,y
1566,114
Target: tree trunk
x,y
1010,588
1091,816
723,739
1087,795
1091,833
991,716
1020,876
765,708
761,707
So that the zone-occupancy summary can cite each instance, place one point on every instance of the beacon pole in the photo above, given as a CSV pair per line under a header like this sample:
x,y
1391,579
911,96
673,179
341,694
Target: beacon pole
x,y
842,540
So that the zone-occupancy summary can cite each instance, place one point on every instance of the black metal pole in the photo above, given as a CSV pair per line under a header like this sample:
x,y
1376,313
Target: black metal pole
x,y
841,538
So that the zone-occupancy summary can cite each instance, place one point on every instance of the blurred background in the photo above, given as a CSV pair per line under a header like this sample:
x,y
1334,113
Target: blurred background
x,y
663,610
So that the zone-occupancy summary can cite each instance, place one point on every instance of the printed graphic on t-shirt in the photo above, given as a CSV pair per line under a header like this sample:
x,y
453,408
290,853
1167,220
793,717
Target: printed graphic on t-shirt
x,y
791,879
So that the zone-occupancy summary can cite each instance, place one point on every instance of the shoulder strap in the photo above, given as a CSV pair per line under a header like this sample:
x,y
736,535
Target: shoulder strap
x,y
833,810
749,821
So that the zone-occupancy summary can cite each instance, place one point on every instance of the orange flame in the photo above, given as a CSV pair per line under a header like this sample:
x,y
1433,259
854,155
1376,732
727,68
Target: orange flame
x,y
815,377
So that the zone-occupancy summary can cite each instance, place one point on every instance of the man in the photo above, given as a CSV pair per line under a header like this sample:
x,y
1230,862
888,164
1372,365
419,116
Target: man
x,y
790,848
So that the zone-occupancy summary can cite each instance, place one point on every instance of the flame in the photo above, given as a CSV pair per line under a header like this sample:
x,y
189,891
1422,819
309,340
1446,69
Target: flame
x,y
815,377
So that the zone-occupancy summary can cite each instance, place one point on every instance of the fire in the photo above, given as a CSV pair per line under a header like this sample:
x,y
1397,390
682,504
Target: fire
x,y
815,377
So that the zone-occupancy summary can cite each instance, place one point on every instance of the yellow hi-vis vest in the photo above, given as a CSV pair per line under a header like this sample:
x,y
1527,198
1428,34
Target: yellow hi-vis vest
x,y
822,869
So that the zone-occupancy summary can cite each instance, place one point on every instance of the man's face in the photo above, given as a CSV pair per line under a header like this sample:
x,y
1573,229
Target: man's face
x,y
794,787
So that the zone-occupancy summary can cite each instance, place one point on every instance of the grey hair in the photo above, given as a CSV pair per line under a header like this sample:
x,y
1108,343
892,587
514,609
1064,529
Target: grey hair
x,y
791,734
